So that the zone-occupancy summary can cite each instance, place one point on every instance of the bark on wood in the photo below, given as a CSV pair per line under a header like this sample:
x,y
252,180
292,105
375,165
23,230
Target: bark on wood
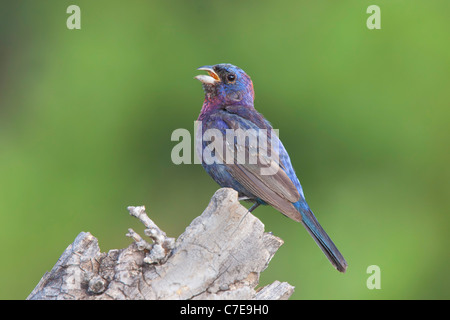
x,y
219,256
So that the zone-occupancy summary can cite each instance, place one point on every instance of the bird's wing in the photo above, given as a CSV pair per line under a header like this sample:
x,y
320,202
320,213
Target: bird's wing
x,y
262,172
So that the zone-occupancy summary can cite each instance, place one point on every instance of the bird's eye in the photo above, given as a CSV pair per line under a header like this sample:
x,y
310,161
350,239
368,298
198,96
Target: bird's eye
x,y
231,77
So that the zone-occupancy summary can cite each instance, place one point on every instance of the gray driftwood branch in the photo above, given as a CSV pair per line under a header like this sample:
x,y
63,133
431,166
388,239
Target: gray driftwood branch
x,y
219,256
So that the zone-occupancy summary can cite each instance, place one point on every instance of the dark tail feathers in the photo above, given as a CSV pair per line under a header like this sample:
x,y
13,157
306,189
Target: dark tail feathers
x,y
323,240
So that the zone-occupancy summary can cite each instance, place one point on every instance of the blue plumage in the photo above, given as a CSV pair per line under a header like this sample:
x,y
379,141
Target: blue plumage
x,y
228,107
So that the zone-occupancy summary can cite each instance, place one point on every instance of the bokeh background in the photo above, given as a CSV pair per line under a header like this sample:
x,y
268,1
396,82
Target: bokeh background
x,y
86,118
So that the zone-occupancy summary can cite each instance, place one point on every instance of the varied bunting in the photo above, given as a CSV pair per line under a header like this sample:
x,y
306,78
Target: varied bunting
x,y
228,106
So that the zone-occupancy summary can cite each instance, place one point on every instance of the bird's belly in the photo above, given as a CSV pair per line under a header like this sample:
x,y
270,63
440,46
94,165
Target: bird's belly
x,y
221,175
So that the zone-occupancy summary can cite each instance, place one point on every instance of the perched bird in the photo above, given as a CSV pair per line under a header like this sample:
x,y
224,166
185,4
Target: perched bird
x,y
228,105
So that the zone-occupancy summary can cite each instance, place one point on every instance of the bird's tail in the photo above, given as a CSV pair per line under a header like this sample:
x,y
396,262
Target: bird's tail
x,y
322,239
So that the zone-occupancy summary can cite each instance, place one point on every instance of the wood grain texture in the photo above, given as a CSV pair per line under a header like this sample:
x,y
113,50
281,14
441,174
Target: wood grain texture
x,y
219,256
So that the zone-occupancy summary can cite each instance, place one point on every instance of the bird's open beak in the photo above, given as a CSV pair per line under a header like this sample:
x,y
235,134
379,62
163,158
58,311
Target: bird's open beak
x,y
211,79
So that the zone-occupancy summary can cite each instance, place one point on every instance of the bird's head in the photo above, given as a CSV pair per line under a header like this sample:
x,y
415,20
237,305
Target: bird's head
x,y
226,84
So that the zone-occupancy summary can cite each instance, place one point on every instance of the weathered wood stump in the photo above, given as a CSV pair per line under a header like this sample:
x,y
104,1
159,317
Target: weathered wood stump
x,y
219,256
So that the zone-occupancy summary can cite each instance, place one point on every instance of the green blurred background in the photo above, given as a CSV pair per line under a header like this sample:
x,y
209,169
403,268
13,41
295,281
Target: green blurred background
x,y
86,118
